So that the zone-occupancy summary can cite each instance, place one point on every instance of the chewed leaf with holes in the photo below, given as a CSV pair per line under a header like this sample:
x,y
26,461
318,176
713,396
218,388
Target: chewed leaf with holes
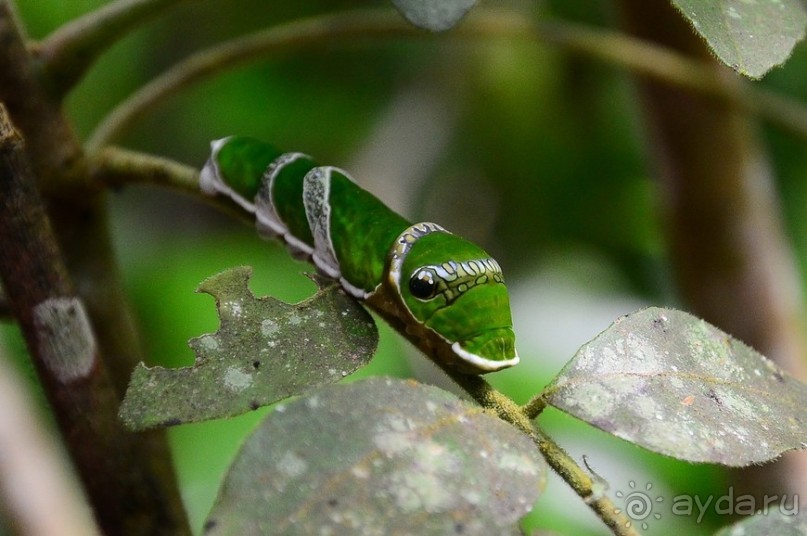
x,y
788,520
750,36
265,350
674,384
434,15
379,456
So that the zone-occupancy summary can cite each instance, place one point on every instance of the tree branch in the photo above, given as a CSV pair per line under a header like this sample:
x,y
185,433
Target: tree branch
x,y
115,167
64,350
130,476
71,50
641,57
5,308
557,458
50,141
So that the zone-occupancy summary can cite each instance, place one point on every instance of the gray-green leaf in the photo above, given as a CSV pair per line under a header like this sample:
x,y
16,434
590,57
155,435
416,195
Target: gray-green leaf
x,y
379,456
791,523
265,350
434,15
674,384
751,36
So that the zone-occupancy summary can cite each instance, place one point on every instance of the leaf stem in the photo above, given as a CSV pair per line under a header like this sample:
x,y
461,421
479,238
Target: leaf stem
x,y
639,56
535,406
71,50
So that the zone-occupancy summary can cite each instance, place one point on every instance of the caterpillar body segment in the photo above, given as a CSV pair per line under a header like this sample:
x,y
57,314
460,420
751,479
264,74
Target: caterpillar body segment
x,y
443,292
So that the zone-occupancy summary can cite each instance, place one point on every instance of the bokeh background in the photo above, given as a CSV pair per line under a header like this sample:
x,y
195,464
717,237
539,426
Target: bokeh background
x,y
538,154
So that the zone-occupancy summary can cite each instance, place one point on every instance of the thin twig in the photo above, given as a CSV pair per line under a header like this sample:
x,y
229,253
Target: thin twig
x,y
211,61
585,487
116,167
666,65
70,51
563,464
633,54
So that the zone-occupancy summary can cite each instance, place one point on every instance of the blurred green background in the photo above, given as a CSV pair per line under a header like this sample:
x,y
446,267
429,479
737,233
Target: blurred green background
x,y
535,153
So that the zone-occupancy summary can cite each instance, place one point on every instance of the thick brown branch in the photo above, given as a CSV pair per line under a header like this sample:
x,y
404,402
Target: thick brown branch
x,y
30,263
49,138
65,352
130,481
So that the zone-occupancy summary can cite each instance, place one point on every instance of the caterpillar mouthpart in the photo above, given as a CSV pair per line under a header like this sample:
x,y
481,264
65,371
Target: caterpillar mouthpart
x,y
489,351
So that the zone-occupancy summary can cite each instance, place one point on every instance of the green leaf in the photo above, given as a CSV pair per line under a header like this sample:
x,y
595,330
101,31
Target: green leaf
x,y
265,350
380,456
770,522
434,15
751,36
674,384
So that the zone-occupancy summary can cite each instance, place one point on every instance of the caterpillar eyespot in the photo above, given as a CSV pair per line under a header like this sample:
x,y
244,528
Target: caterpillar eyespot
x,y
397,268
422,285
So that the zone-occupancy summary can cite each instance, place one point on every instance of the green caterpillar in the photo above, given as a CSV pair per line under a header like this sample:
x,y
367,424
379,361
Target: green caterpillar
x,y
443,292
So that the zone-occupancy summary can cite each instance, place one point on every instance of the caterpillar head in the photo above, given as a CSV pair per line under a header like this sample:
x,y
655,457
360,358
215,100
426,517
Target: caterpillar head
x,y
456,291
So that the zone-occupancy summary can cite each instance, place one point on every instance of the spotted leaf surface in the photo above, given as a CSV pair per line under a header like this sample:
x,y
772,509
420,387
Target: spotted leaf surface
x,y
379,456
677,385
434,15
751,36
264,351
